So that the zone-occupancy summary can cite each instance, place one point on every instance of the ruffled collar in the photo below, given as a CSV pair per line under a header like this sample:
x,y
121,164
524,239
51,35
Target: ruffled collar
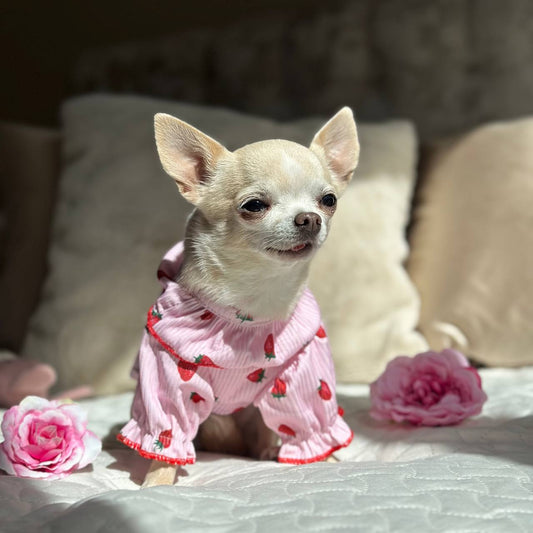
x,y
199,332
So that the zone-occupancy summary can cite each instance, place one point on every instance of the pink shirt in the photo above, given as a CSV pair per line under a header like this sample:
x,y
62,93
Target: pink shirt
x,y
197,358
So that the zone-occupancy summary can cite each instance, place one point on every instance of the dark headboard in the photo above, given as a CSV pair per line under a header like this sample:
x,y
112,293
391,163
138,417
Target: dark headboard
x,y
446,64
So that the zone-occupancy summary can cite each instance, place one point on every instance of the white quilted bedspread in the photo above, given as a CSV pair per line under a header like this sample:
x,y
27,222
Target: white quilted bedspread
x,y
477,476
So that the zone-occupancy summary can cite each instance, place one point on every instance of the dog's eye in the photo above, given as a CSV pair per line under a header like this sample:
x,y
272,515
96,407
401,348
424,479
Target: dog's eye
x,y
329,200
254,206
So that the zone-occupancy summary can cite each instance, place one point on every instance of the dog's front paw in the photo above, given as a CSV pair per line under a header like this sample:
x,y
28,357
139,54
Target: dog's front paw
x,y
270,453
159,474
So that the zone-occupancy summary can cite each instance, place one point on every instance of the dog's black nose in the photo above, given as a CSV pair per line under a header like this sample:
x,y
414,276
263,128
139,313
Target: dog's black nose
x,y
308,221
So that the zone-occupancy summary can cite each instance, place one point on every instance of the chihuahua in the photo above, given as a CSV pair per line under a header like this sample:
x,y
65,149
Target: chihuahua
x,y
234,353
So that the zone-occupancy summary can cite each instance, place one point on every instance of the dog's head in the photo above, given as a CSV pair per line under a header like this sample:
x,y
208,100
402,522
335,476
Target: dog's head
x,y
274,198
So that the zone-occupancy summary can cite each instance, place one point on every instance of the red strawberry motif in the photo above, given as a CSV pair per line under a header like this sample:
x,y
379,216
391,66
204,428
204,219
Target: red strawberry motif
x,y
269,347
340,410
208,315
164,440
324,391
154,317
203,360
196,398
279,389
286,430
186,370
243,318
321,333
256,376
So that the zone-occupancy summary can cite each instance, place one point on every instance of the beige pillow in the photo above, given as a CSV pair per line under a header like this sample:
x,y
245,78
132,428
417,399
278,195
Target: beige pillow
x,y
472,245
118,212
368,302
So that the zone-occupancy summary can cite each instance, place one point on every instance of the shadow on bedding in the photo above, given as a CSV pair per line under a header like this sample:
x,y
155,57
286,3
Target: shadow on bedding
x,y
510,439
89,516
127,460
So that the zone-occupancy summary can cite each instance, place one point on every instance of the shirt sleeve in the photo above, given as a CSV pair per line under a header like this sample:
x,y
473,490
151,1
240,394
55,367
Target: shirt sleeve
x,y
301,406
169,405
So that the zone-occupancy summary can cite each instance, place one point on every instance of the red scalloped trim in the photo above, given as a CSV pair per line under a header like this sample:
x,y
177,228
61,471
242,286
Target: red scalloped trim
x,y
150,321
318,457
155,456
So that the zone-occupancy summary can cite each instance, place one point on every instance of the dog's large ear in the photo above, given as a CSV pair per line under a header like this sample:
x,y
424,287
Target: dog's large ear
x,y
187,154
338,145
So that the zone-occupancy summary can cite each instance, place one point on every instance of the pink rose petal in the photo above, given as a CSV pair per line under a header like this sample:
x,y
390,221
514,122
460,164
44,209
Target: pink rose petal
x,y
431,389
46,439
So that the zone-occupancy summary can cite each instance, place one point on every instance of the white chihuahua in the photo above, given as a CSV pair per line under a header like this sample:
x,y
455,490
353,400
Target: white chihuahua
x,y
235,324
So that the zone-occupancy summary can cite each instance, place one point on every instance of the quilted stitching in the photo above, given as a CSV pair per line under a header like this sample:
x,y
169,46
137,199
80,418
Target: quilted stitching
x,y
474,477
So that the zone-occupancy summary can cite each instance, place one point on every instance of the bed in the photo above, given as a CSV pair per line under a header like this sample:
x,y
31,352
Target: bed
x,y
428,265
477,476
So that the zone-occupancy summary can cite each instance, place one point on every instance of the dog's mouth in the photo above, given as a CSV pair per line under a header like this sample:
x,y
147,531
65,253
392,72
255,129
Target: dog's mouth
x,y
296,252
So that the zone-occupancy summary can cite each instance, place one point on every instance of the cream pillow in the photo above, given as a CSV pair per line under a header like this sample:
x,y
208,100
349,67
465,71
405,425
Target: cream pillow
x,y
118,212
368,302
472,245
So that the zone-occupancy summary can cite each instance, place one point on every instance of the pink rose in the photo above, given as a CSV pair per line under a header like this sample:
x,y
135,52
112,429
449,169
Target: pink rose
x,y
46,439
430,389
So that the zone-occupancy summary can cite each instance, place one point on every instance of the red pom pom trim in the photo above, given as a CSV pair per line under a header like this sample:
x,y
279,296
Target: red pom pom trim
x,y
318,457
154,456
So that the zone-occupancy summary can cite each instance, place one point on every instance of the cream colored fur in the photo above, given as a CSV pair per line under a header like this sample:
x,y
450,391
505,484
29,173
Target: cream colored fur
x,y
225,256
255,261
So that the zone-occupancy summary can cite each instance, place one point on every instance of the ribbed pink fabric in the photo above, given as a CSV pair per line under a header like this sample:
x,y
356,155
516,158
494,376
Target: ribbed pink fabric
x,y
197,358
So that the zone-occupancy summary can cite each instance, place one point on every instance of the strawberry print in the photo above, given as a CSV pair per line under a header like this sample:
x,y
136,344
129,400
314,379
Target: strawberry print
x,y
156,314
208,315
324,391
164,440
340,410
154,317
196,398
203,360
269,348
243,318
279,389
256,376
321,333
186,370
286,430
